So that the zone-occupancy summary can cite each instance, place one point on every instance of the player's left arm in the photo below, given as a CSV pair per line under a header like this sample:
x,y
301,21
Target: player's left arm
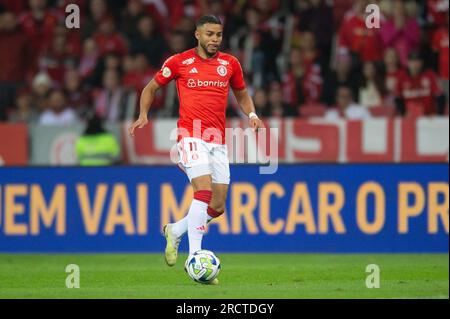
x,y
245,102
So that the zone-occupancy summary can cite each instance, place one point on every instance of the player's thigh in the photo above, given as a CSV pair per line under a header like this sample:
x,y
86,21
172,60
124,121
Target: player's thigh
x,y
203,182
195,162
220,165
219,197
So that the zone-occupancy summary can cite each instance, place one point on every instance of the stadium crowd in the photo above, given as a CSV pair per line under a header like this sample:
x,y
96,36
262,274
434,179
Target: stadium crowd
x,y
301,58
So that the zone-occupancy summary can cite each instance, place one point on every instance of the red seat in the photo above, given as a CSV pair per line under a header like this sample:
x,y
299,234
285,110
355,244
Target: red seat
x,y
382,111
313,110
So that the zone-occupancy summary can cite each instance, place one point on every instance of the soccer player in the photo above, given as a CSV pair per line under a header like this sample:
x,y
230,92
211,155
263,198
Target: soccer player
x,y
418,90
203,77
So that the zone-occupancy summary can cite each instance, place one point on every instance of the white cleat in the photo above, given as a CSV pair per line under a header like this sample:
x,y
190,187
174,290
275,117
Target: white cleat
x,y
215,281
171,252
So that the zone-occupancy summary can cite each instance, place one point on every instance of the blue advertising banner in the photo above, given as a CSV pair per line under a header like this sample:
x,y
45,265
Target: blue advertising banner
x,y
300,208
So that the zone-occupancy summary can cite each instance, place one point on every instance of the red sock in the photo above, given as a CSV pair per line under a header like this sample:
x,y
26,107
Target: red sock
x,y
203,196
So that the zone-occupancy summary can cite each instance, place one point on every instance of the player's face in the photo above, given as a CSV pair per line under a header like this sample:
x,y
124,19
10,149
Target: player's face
x,y
209,37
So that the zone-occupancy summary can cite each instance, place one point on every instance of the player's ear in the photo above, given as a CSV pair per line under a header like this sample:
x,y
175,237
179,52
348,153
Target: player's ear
x,y
197,34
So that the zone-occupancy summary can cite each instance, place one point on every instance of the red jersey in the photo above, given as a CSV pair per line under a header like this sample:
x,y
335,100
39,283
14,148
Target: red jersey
x,y
440,45
391,80
202,86
357,38
113,43
39,33
419,91
311,86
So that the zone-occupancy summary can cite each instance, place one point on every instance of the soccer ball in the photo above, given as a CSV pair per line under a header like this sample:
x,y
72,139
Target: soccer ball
x,y
203,266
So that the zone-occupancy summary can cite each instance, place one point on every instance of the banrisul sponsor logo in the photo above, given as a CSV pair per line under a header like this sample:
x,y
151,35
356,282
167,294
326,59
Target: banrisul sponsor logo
x,y
192,83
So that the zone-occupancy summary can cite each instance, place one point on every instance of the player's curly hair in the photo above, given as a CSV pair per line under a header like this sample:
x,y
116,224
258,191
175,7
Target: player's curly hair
x,y
208,19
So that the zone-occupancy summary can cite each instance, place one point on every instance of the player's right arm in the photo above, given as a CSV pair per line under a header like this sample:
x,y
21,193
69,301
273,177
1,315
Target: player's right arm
x,y
147,97
168,72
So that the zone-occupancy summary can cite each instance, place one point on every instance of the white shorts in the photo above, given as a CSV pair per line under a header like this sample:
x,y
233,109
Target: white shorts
x,y
198,158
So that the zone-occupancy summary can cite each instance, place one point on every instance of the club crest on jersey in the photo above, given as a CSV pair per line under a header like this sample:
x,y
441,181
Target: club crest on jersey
x,y
166,72
222,70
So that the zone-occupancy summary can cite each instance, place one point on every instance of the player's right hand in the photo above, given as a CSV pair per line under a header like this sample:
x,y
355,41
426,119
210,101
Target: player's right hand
x,y
140,123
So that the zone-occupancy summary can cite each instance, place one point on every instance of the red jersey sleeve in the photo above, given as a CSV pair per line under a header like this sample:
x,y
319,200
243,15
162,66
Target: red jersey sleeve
x,y
237,79
168,71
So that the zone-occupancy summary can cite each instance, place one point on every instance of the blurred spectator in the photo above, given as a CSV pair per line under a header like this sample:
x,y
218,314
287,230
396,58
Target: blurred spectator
x,y
277,107
346,107
14,60
77,97
98,10
342,75
108,39
437,12
293,80
354,37
440,43
41,85
59,57
58,113
149,41
391,71
89,58
261,102
186,26
401,32
23,111
38,24
97,147
340,11
266,8
418,90
15,6
218,8
372,90
128,68
110,101
317,17
175,9
110,61
133,13
303,82
259,48
177,43
140,73
312,62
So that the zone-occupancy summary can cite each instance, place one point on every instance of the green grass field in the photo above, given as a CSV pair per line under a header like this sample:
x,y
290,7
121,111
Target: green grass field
x,y
242,276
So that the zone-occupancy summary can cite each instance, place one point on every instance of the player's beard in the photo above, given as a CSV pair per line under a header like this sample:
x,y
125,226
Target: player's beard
x,y
205,48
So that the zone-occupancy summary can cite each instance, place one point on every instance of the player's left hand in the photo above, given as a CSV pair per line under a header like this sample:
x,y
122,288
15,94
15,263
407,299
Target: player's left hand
x,y
256,124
